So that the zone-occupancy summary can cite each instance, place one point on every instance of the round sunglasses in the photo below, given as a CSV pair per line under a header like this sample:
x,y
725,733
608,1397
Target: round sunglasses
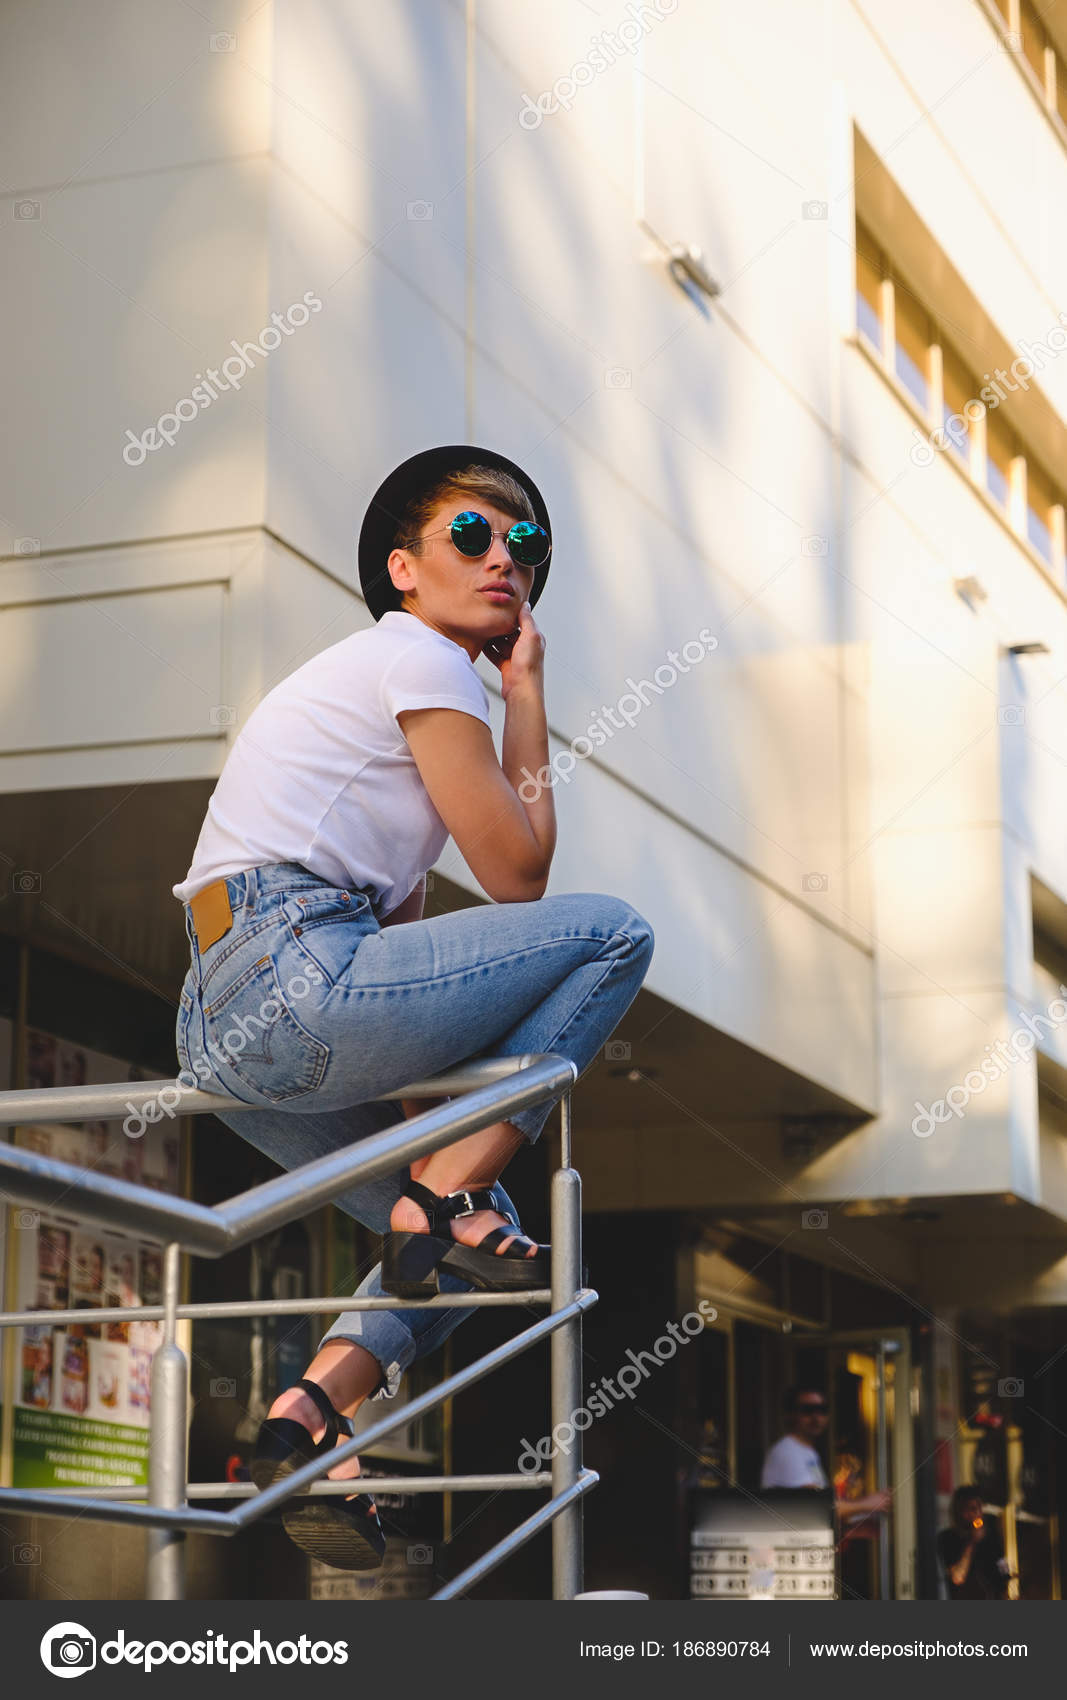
x,y
528,545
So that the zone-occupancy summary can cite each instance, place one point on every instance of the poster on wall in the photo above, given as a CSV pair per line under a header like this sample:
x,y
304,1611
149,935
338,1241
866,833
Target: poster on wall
x,y
81,1392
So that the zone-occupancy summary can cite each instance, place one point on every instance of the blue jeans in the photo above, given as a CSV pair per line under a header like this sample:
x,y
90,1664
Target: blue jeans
x,y
309,1010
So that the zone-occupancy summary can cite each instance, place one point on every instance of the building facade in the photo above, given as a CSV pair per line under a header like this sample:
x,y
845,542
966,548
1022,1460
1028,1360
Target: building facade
x,y
773,309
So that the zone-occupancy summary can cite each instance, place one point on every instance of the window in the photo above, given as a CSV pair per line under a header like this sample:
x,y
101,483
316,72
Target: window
x,y
869,274
899,332
913,338
959,387
1045,69
998,452
1040,501
1033,33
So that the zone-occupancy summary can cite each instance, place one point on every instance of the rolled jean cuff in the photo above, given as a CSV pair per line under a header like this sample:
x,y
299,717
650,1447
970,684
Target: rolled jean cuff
x,y
381,1334
530,1122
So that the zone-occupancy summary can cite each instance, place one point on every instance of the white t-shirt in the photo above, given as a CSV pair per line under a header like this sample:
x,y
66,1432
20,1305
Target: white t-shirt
x,y
321,773
791,1463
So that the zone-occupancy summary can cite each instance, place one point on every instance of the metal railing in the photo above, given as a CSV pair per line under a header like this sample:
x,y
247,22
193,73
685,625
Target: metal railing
x,y
487,1092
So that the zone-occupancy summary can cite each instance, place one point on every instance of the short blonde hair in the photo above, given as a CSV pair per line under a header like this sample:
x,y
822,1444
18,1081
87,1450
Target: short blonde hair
x,y
485,482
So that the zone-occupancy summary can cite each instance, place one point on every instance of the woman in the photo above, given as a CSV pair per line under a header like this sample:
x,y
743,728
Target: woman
x,y
971,1550
315,985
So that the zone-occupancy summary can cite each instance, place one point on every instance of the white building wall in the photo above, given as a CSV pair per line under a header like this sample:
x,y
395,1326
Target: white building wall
x,y
814,818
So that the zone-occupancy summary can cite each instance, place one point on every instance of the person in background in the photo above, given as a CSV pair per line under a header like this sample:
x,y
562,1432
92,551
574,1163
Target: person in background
x,y
794,1461
856,1547
971,1551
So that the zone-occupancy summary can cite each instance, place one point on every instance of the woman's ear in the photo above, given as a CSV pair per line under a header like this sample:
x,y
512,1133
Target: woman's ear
x,y
400,570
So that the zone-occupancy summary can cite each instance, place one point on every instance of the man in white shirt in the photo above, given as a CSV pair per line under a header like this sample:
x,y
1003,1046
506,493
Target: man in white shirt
x,y
793,1462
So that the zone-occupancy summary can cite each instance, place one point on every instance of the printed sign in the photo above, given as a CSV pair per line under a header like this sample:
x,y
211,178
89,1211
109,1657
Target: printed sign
x,y
81,1393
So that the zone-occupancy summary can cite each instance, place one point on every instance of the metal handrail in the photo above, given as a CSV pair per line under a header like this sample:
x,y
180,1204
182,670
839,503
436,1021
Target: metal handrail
x,y
488,1091
380,1485
212,1232
91,1103
218,1310
518,1537
47,1502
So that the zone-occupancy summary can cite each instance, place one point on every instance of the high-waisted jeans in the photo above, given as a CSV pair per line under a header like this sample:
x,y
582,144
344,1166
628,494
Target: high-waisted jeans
x,y
308,1009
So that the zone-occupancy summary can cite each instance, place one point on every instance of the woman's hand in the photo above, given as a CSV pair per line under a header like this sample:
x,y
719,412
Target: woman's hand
x,y
520,656
500,812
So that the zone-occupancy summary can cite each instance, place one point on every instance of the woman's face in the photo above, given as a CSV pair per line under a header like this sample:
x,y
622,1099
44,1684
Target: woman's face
x,y
969,1513
448,590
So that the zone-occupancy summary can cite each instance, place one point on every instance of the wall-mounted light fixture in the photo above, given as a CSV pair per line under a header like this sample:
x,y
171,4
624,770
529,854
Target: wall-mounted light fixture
x,y
970,588
688,263
685,262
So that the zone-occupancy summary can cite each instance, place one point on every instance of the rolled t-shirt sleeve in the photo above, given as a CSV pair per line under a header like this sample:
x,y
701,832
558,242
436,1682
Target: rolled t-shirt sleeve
x,y
422,677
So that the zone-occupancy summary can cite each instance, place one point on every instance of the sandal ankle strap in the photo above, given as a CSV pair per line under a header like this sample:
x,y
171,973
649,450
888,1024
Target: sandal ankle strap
x,y
335,1423
440,1209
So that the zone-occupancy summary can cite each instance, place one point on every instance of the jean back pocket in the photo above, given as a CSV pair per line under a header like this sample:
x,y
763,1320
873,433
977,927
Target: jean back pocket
x,y
253,1031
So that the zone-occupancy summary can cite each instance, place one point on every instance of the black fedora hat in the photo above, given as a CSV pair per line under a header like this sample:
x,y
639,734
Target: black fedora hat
x,y
410,479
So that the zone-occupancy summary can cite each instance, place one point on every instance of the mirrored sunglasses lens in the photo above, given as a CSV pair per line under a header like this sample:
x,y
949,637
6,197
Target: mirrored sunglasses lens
x,y
528,543
471,533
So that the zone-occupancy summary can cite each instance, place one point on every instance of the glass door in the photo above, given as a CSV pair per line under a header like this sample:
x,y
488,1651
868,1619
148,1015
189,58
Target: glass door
x,y
868,1382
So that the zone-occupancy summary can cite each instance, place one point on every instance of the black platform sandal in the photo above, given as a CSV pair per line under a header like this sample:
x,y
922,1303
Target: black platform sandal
x,y
411,1262
345,1533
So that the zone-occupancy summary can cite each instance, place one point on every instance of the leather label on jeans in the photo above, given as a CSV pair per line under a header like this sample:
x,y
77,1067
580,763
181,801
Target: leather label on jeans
x,y
212,915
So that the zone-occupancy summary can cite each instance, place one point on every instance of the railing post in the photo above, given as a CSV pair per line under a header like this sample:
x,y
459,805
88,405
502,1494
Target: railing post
x,y
211,1231
566,1367
167,1443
